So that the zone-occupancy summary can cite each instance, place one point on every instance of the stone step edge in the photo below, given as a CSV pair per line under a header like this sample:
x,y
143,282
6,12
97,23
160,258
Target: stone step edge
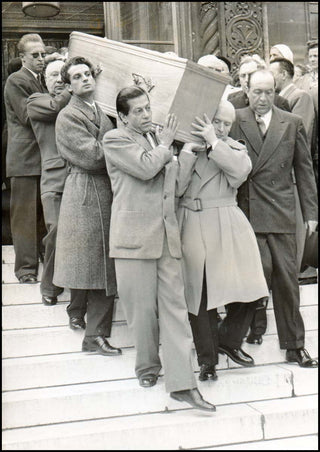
x,y
131,423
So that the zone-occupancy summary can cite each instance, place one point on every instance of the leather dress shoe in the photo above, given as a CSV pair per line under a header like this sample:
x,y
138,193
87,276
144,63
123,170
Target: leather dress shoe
x,y
77,323
237,355
253,339
28,279
194,398
49,301
207,371
302,357
146,381
101,345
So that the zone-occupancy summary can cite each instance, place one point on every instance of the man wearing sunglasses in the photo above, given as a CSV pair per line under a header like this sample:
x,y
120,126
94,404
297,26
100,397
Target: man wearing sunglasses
x,y
23,159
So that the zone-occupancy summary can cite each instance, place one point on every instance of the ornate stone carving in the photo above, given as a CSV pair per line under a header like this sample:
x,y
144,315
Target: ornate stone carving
x,y
209,27
244,29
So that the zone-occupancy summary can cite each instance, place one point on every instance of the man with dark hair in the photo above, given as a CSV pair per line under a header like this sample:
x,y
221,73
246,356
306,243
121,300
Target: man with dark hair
x,y
248,65
43,109
299,101
23,159
276,142
145,242
82,261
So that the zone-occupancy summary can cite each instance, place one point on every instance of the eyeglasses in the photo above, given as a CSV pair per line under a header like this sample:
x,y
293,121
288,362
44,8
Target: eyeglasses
x,y
36,55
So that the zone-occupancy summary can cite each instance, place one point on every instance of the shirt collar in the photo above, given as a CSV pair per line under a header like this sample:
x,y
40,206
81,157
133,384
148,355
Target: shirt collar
x,y
266,117
33,73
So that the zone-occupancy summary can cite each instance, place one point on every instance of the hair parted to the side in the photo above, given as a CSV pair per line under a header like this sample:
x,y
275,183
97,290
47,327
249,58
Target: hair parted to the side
x,y
29,37
131,92
284,65
74,61
312,44
255,58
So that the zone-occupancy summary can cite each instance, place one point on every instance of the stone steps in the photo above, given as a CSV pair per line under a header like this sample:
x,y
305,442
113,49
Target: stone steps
x,y
182,429
57,398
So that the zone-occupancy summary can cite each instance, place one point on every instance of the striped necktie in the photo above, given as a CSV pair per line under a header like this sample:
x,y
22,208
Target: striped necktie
x,y
261,125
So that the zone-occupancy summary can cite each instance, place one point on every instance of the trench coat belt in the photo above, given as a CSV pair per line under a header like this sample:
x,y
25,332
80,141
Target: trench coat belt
x,y
198,204
96,172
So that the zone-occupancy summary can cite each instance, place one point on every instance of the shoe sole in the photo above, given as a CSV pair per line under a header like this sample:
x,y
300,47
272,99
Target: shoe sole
x,y
241,363
254,342
196,407
305,367
207,378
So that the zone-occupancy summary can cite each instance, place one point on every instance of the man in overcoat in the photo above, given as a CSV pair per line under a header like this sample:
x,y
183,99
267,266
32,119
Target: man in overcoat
x,y
23,159
43,109
277,143
82,260
145,242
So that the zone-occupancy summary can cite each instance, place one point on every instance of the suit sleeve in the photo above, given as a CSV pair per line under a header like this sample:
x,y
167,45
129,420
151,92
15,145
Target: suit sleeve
x,y
76,144
16,94
235,163
304,174
133,159
303,107
45,108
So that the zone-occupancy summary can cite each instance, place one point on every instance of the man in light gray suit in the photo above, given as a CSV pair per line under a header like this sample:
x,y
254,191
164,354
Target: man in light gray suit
x,y
145,242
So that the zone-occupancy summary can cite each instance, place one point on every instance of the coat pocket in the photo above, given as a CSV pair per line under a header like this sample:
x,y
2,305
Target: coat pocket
x,y
53,163
130,229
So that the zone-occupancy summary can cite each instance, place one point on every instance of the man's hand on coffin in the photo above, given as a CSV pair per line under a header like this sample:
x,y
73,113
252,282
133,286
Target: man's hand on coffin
x,y
166,136
205,129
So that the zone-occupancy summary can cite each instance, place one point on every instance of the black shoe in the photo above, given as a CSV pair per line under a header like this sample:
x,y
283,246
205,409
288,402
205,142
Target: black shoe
x,y
194,398
302,357
28,279
207,371
237,355
77,323
146,381
101,345
49,301
254,339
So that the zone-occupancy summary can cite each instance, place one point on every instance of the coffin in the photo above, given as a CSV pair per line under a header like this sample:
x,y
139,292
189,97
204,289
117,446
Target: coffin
x,y
174,85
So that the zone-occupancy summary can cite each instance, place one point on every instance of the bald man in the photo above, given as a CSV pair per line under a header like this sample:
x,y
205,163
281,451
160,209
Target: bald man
x,y
221,261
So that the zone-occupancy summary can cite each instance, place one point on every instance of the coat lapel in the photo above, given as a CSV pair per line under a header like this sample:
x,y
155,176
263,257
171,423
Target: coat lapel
x,y
275,132
250,128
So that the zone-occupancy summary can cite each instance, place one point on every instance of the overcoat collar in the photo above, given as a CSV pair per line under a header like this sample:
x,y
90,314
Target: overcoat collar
x,y
32,78
78,103
262,150
205,168
139,138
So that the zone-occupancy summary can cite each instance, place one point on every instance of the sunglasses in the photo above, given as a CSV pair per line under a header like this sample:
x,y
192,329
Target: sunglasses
x,y
36,55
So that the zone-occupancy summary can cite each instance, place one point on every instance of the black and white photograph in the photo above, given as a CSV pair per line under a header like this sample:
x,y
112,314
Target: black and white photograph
x,y
159,225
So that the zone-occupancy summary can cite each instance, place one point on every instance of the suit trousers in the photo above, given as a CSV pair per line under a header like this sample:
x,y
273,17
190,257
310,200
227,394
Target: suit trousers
x,y
51,207
152,294
99,309
278,254
27,224
205,331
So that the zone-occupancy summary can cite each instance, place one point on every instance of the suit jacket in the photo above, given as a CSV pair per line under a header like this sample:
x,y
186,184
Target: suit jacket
x,y
301,104
143,184
267,197
82,248
23,155
43,109
240,100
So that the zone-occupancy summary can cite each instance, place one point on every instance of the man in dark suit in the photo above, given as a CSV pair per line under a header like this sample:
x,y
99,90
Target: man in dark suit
x,y
277,143
23,159
249,64
43,109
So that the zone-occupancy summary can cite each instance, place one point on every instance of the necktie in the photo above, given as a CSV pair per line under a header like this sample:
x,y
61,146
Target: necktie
x,y
261,125
150,139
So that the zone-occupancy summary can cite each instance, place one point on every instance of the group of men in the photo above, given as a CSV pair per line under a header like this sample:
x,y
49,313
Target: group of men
x,y
108,198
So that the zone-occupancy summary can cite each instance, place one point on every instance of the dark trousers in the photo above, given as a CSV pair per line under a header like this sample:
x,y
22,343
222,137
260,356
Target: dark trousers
x,y
27,224
51,207
278,255
99,309
231,332
204,328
